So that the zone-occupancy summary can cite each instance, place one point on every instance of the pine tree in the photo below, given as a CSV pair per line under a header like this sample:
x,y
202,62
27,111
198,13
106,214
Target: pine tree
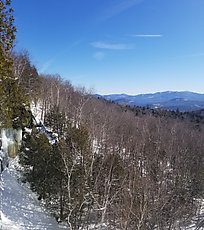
x,y
7,38
12,97
36,158
56,120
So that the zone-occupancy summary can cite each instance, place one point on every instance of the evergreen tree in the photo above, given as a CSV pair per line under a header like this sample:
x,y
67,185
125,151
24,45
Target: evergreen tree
x,y
14,105
56,120
36,158
7,38
12,97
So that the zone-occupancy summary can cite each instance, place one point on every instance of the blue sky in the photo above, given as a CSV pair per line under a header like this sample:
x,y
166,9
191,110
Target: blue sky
x,y
116,46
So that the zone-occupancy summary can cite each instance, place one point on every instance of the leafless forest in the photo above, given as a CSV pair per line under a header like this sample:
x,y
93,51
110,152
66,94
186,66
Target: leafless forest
x,y
124,168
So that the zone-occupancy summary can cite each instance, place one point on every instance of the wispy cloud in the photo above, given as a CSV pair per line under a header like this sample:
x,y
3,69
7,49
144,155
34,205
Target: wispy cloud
x,y
46,65
111,46
196,55
66,49
193,55
74,44
99,56
119,8
146,35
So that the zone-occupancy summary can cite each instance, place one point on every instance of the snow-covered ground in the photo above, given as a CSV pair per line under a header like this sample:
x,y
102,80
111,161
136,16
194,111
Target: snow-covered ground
x,y
19,207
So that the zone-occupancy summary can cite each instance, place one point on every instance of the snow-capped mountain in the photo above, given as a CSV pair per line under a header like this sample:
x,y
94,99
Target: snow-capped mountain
x,y
184,101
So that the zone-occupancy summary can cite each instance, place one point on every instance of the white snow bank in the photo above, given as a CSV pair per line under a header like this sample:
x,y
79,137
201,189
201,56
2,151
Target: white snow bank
x,y
20,210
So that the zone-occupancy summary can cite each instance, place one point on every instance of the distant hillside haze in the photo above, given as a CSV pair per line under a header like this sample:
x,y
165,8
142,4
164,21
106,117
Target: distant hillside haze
x,y
172,100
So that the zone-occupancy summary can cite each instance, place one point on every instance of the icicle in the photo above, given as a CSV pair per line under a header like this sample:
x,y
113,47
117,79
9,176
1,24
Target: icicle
x,y
18,136
11,141
4,140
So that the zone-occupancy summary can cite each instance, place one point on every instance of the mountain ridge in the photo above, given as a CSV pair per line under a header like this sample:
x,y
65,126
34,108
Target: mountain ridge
x,y
171,100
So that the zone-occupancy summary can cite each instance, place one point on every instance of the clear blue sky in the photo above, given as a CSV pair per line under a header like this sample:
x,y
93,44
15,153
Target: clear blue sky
x,y
116,46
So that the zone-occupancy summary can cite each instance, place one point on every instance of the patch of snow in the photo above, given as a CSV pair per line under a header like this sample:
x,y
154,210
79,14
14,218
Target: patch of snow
x,y
98,226
27,130
37,111
20,209
199,106
52,137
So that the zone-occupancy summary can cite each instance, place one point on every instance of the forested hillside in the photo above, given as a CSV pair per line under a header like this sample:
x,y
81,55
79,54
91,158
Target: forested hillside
x,y
184,101
109,165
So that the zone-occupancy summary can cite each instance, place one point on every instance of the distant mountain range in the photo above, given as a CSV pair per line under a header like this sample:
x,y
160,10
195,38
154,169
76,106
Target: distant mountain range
x,y
171,100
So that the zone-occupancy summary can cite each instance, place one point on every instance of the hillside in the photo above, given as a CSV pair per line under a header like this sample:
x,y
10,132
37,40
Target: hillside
x,y
172,100
105,158
92,163
20,208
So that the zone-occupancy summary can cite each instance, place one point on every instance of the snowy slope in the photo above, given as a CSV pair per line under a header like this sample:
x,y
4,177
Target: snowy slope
x,y
20,209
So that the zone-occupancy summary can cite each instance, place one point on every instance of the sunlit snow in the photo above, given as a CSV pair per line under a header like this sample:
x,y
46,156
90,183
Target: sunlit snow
x,y
20,209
